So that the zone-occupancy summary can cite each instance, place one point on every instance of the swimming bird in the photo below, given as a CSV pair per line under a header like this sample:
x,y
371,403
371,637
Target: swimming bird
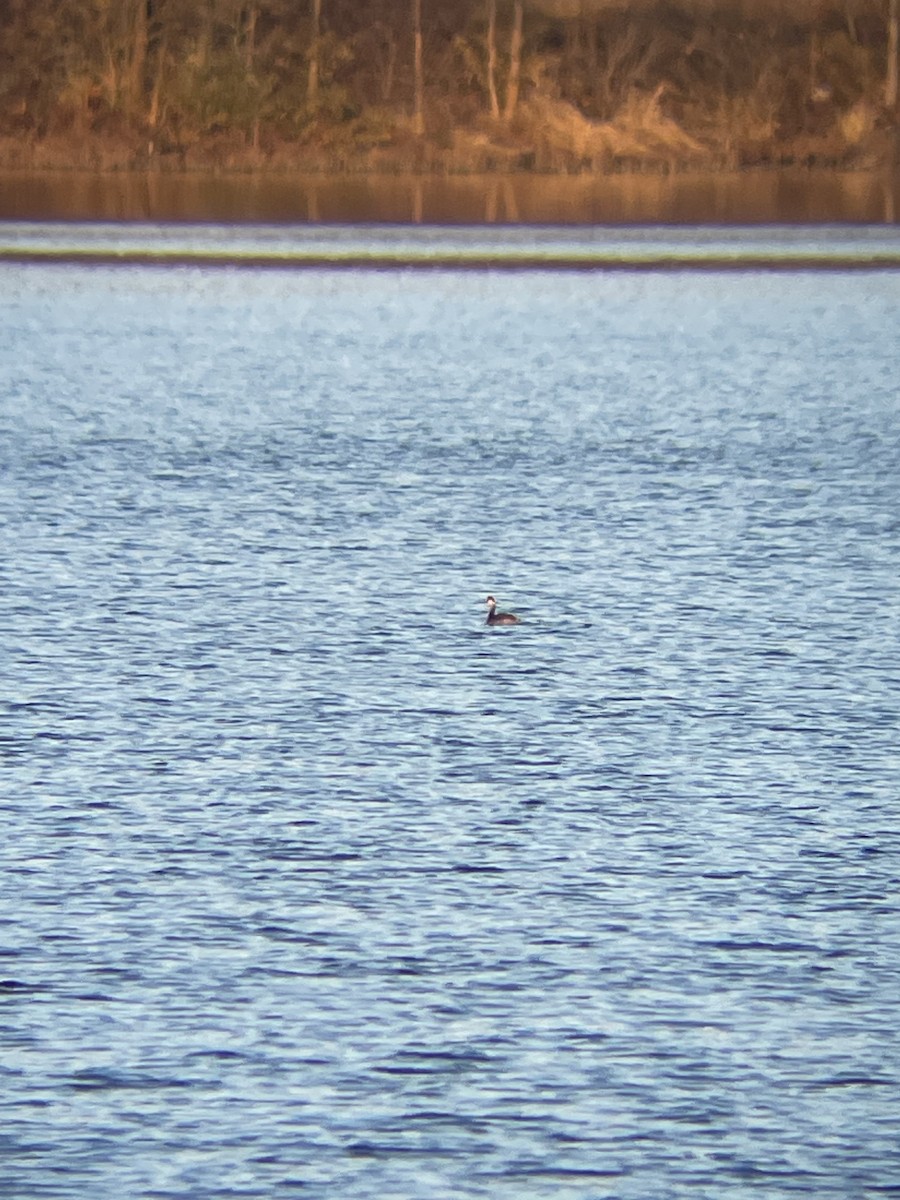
x,y
495,618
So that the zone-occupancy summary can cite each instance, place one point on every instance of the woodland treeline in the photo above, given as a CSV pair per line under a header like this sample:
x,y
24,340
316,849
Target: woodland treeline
x,y
447,85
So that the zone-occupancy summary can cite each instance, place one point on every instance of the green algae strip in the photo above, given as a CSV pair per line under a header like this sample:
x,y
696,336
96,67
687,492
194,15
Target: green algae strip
x,y
426,247
509,258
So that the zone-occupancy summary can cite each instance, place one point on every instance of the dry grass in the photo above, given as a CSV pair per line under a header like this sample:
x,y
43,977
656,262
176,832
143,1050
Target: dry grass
x,y
640,133
858,124
548,135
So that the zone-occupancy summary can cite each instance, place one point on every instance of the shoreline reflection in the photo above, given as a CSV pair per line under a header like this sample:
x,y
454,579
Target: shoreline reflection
x,y
749,197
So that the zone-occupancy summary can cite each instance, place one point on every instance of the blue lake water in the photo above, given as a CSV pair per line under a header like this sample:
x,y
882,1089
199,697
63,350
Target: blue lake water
x,y
312,884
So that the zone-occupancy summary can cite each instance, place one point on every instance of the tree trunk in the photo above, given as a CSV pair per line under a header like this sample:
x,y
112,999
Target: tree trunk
x,y
387,74
492,59
137,59
205,36
893,49
419,104
515,62
247,44
250,36
312,82
155,105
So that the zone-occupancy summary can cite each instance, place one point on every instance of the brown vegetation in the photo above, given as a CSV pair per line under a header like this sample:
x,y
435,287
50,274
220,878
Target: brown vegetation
x,y
460,85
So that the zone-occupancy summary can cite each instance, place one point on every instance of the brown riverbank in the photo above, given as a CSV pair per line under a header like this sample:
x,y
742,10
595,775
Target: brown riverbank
x,y
547,137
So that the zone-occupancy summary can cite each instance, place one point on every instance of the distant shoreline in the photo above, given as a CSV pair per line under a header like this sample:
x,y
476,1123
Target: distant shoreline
x,y
652,144
517,93
58,156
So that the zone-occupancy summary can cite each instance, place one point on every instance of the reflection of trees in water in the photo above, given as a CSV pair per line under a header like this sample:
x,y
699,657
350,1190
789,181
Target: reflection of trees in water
x,y
681,198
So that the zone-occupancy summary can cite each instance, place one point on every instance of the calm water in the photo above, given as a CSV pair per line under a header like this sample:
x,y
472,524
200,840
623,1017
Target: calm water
x,y
787,195
314,885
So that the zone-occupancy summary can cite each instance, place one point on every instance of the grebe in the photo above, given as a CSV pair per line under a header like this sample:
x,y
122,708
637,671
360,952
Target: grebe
x,y
495,618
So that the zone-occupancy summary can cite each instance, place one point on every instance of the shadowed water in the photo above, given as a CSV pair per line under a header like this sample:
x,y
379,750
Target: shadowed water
x,y
312,883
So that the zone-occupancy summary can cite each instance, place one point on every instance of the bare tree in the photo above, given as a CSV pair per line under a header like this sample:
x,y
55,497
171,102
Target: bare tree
x,y
312,81
515,62
419,78
137,60
492,59
249,35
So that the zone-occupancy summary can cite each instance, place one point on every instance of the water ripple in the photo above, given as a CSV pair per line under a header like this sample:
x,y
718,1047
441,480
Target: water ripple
x,y
311,881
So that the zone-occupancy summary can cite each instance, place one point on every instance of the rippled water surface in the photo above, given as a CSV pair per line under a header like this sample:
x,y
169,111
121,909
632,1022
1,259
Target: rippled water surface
x,y
315,885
